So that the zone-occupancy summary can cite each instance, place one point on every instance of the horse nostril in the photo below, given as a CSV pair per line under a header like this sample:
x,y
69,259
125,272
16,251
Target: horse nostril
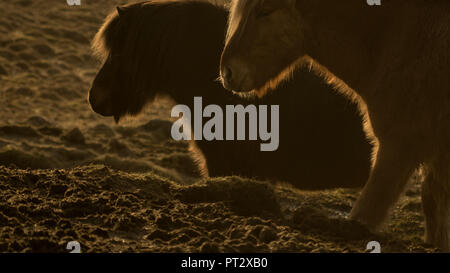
x,y
227,74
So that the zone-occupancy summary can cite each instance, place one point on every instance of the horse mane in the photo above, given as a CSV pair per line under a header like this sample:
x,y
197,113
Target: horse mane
x,y
239,11
103,40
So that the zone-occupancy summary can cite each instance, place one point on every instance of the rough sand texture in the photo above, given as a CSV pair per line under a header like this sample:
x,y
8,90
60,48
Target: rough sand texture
x,y
69,174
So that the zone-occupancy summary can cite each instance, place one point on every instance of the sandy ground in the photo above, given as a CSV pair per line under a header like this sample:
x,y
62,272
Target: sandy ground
x,y
68,174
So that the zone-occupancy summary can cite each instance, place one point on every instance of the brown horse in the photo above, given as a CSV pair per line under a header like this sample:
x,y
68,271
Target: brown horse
x,y
146,48
395,56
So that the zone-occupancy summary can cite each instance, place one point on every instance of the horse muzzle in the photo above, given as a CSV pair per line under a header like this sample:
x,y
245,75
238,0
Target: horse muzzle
x,y
236,76
100,103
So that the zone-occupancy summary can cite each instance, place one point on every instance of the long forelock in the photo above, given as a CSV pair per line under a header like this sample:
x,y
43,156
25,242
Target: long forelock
x,y
111,32
101,44
239,12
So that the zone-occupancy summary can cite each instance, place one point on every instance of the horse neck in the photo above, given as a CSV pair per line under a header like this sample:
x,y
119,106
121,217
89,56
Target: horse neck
x,y
344,36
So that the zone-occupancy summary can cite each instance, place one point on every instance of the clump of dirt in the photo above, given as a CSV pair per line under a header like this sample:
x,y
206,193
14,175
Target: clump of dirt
x,y
245,197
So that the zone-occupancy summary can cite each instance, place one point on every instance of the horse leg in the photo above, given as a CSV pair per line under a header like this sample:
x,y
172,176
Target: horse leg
x,y
436,203
393,167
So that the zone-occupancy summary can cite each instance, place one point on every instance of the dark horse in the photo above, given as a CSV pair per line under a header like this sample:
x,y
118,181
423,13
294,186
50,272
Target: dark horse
x,y
173,48
395,56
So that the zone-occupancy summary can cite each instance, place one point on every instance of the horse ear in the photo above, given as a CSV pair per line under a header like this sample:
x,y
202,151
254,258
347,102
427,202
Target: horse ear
x,y
121,10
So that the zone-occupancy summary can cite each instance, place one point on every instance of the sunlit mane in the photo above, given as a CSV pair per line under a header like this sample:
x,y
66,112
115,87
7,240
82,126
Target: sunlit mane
x,y
100,44
238,15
